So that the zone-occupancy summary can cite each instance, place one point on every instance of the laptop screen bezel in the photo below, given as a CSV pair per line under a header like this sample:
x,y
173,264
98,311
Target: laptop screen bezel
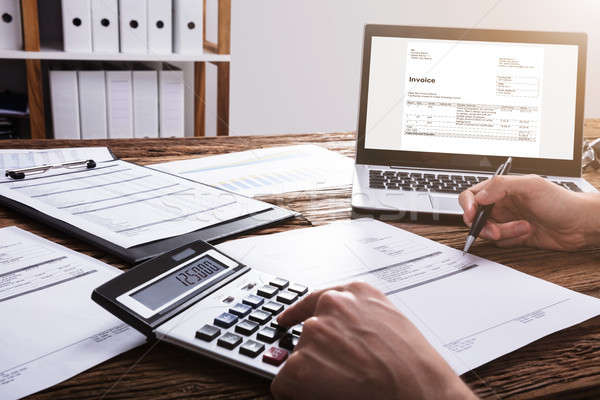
x,y
542,166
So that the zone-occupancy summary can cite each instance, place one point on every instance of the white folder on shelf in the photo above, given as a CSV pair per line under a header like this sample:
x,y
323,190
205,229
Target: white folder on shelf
x,y
145,104
119,100
105,26
171,103
133,15
187,26
160,26
11,35
77,25
65,104
92,104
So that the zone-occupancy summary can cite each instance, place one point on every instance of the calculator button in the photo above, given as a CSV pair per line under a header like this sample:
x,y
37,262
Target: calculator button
x,y
297,330
229,340
288,341
275,325
262,317
225,320
297,288
208,333
279,283
273,307
287,297
252,348
253,300
241,310
275,356
267,291
246,327
268,334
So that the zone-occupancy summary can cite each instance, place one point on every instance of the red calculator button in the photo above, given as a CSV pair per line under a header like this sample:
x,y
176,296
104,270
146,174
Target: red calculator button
x,y
275,356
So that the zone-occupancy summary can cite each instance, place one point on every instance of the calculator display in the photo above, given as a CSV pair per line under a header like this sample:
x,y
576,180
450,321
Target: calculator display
x,y
178,282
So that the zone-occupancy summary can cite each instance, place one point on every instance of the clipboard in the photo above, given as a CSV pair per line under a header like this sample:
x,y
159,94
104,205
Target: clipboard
x,y
136,254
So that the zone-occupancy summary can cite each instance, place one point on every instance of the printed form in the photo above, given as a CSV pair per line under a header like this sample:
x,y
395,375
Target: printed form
x,y
470,309
462,96
52,330
128,204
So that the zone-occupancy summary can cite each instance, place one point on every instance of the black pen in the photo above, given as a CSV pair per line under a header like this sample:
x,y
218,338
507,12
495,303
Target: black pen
x,y
484,212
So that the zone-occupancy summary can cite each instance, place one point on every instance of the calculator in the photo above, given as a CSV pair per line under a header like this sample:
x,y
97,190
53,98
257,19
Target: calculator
x,y
198,298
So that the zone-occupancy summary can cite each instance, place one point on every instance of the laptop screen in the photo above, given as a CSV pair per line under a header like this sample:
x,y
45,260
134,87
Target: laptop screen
x,y
472,97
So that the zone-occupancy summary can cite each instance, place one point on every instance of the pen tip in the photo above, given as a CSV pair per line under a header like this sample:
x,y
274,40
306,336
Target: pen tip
x,y
470,240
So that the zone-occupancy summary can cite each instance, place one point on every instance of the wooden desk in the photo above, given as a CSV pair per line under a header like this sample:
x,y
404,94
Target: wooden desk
x,y
565,364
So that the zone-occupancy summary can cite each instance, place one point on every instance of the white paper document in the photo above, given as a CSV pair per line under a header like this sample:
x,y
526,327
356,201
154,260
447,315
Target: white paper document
x,y
127,204
51,329
470,309
267,171
26,158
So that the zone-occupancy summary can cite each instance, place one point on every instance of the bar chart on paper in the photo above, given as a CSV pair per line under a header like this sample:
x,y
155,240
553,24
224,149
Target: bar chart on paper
x,y
268,171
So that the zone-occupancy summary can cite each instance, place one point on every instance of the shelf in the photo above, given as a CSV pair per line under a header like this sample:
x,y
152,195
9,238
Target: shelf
x,y
56,53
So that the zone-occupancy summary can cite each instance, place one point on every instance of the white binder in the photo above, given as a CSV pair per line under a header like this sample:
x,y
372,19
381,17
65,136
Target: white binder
x,y
145,104
171,103
160,26
11,35
133,23
105,26
77,27
65,104
92,104
119,100
187,26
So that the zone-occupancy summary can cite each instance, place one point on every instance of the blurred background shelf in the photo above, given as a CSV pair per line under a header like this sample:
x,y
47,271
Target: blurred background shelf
x,y
37,51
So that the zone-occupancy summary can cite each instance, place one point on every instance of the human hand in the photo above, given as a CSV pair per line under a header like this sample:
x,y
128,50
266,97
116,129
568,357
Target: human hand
x,y
532,211
355,344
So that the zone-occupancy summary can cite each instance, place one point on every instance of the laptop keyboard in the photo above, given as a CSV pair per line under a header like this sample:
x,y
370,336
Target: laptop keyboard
x,y
434,183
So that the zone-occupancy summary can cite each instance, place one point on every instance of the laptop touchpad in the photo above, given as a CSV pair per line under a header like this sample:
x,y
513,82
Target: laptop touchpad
x,y
445,203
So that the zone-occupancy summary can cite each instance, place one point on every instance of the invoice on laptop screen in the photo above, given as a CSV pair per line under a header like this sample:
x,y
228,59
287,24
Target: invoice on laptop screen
x,y
469,97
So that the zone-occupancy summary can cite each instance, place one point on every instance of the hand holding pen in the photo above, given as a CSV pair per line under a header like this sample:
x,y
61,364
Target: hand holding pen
x,y
484,212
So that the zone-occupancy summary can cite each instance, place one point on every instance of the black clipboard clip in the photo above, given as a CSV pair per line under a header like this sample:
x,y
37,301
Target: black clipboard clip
x,y
22,173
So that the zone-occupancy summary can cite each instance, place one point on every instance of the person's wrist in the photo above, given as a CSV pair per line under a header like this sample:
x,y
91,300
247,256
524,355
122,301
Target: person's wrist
x,y
588,208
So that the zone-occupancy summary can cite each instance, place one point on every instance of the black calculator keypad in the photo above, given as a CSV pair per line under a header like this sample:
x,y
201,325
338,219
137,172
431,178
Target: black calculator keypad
x,y
247,327
260,316
287,297
267,291
225,320
241,310
208,333
253,300
252,348
258,310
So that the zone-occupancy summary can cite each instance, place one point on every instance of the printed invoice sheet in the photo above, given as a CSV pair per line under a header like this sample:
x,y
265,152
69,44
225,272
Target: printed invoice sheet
x,y
127,204
470,309
51,329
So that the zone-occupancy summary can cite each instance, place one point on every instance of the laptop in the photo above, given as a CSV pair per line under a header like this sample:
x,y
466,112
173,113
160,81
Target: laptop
x,y
442,108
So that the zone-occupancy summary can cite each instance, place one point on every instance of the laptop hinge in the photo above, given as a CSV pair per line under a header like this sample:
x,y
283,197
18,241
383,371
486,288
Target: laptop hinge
x,y
444,170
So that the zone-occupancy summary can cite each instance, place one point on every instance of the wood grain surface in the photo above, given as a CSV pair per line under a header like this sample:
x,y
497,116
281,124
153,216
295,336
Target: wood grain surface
x,y
563,365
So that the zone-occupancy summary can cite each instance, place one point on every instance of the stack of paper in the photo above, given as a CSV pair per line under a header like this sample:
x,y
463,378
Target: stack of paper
x,y
51,329
268,171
